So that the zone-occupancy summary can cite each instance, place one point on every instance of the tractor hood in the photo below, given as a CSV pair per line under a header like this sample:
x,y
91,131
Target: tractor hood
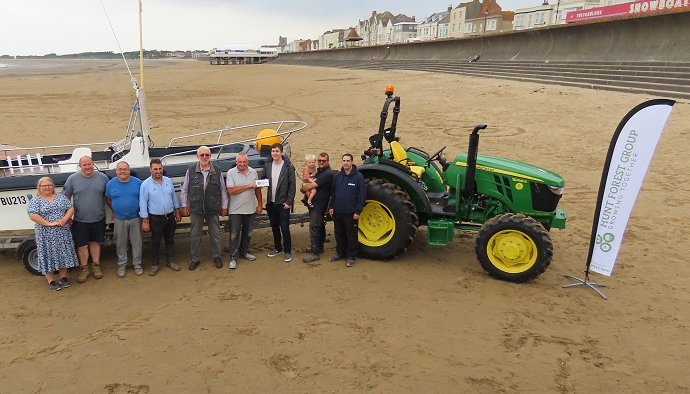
x,y
512,168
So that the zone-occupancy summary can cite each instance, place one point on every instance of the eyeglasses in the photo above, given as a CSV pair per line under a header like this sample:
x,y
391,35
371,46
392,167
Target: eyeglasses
x,y
322,161
46,185
204,155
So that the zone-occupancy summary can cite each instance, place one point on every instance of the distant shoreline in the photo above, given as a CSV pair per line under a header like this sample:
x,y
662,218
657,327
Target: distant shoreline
x,y
11,67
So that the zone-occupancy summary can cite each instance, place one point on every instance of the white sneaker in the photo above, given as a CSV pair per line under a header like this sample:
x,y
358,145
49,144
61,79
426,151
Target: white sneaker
x,y
232,265
122,271
248,256
138,270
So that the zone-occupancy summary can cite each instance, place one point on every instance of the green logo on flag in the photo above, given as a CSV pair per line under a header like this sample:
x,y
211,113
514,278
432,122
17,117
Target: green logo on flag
x,y
604,242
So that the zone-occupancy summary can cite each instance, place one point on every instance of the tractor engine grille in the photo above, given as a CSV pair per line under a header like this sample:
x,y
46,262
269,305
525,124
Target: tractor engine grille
x,y
543,199
503,186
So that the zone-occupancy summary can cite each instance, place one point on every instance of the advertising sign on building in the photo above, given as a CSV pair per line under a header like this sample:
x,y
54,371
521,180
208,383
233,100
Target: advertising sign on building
x,y
633,8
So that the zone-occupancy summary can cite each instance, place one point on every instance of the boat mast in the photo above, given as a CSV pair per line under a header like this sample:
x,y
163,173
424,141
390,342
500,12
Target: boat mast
x,y
141,95
141,48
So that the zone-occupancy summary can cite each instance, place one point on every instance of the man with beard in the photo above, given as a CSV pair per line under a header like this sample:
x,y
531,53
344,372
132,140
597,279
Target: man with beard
x,y
317,228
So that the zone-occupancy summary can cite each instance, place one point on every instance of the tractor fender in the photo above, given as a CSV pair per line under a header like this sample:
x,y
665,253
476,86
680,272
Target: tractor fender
x,y
400,178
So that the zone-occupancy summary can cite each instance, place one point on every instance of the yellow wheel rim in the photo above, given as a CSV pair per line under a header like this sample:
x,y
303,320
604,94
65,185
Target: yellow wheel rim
x,y
512,251
376,224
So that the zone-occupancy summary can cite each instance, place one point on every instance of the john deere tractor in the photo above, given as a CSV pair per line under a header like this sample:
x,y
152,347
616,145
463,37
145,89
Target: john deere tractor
x,y
511,205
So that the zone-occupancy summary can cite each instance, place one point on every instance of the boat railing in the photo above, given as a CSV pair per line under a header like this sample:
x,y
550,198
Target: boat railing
x,y
33,159
292,125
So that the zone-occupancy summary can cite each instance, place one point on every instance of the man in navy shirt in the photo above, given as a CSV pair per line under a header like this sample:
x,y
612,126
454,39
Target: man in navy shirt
x,y
122,196
346,204
317,227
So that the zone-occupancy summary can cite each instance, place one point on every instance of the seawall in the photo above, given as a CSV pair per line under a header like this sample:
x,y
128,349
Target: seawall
x,y
662,37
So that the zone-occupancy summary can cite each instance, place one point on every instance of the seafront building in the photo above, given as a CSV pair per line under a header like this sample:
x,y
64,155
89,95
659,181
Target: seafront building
x,y
556,12
428,29
470,18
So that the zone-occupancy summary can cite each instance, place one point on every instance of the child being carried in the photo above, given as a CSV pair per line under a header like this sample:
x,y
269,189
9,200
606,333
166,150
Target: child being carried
x,y
309,176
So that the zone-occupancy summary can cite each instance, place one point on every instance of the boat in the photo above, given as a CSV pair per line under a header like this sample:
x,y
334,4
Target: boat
x,y
22,167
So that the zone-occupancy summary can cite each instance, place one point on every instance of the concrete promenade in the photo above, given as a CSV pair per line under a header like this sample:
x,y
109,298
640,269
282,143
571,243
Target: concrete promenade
x,y
646,55
661,38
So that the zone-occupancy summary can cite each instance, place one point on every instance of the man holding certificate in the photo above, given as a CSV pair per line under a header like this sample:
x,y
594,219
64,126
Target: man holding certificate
x,y
242,182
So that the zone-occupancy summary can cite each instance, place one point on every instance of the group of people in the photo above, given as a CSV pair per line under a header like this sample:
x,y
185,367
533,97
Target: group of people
x,y
70,227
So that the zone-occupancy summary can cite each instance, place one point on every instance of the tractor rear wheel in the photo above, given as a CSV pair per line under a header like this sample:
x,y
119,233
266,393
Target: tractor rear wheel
x,y
513,247
388,222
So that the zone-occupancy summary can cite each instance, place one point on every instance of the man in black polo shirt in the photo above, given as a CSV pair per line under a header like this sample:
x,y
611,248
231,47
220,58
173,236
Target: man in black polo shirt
x,y
317,228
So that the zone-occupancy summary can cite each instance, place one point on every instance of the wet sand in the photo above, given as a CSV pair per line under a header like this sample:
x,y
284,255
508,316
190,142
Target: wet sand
x,y
429,321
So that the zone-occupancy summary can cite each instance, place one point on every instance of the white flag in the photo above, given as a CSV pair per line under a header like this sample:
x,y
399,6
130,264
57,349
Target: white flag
x,y
630,152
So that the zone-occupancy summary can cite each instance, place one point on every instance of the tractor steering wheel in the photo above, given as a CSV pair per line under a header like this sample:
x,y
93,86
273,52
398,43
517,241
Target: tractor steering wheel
x,y
436,155
441,160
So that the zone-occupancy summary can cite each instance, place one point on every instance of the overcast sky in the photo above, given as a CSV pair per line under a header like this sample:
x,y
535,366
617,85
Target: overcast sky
x,y
39,27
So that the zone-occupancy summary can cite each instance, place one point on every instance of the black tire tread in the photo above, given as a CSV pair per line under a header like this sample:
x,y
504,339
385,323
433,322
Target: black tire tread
x,y
402,201
518,222
26,255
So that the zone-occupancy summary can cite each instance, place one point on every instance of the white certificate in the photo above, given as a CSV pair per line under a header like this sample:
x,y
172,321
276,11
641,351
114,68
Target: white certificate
x,y
262,182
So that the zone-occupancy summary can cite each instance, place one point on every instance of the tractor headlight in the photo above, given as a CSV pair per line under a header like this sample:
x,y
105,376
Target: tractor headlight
x,y
558,190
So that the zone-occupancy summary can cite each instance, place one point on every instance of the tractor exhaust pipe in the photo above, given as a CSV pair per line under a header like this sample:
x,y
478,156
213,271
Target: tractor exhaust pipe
x,y
472,161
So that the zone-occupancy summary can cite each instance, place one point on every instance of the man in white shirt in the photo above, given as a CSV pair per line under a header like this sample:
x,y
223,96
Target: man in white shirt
x,y
281,197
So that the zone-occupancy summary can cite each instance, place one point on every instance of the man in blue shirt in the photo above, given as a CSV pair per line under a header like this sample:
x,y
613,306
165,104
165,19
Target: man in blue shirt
x,y
122,196
160,210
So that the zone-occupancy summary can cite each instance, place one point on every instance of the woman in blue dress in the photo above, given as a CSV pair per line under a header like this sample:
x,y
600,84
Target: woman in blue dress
x,y
55,249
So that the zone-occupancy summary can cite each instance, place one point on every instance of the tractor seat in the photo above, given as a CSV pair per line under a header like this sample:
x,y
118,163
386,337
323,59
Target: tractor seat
x,y
400,156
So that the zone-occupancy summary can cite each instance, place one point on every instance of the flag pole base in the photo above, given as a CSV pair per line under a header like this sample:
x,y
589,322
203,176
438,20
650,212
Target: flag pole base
x,y
584,282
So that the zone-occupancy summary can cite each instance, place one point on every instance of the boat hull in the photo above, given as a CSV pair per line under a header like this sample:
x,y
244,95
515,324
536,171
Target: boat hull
x,y
17,191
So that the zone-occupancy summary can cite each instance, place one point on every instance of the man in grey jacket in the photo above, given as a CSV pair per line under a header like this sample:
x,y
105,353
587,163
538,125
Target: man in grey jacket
x,y
280,198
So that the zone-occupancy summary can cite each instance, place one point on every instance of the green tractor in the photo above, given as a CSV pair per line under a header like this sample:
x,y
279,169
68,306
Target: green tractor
x,y
511,205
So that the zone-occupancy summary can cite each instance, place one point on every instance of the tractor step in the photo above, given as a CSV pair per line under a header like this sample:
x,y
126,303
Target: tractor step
x,y
439,204
443,210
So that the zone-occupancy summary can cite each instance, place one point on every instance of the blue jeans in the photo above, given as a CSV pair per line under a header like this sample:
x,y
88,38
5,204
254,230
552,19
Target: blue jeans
x,y
280,222
240,234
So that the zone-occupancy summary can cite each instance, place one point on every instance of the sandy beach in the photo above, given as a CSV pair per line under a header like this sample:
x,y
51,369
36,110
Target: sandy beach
x,y
430,321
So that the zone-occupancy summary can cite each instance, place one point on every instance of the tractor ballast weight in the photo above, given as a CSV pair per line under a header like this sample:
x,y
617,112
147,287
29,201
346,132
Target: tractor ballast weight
x,y
511,205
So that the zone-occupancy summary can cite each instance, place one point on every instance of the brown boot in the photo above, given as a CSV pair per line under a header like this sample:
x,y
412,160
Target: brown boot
x,y
97,273
154,270
84,274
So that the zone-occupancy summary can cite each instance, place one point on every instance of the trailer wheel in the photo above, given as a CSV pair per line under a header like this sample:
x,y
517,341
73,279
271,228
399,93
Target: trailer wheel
x,y
30,258
513,247
388,222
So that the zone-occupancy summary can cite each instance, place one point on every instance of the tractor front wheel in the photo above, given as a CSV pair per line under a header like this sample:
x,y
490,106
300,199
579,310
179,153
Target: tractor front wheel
x,y
513,247
388,222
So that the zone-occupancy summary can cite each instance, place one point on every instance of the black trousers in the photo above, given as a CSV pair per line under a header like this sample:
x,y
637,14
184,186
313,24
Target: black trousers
x,y
345,230
279,218
317,230
162,226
